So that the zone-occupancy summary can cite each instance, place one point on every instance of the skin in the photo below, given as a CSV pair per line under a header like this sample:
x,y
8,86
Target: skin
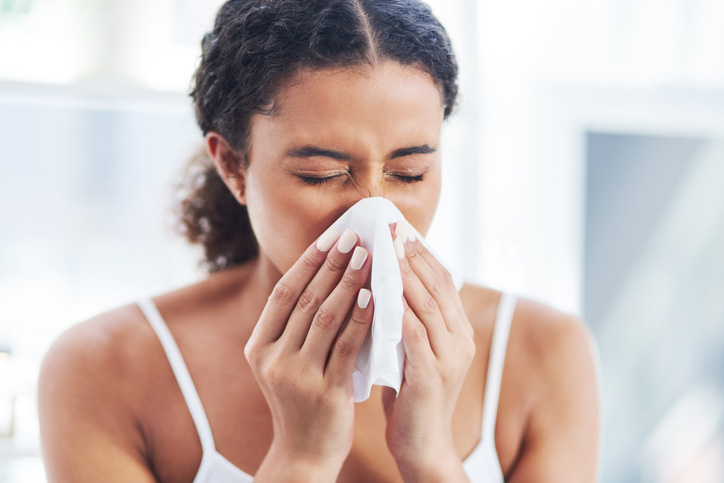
x,y
256,338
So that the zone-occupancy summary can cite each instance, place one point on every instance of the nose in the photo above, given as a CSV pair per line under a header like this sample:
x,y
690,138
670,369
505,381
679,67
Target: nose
x,y
370,184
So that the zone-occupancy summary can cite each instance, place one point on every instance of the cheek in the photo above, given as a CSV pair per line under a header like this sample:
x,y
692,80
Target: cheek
x,y
419,215
285,219
419,207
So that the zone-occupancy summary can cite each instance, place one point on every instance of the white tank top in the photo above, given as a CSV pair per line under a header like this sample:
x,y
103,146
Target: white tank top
x,y
482,465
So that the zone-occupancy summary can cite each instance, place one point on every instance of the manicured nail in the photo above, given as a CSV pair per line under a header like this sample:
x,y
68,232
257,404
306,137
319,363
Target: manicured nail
x,y
399,249
410,235
347,241
401,230
358,258
326,241
363,299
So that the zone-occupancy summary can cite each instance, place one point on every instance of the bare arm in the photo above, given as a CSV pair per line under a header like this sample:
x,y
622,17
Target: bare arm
x,y
88,433
561,443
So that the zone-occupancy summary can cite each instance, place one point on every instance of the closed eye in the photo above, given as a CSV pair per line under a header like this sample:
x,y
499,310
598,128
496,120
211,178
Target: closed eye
x,y
410,179
314,180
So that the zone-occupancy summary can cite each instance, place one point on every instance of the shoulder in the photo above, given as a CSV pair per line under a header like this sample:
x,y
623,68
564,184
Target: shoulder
x,y
547,337
101,358
90,397
555,355
550,387
107,342
551,379
551,338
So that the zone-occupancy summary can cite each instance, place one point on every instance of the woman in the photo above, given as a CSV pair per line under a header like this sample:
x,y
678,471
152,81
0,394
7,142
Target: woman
x,y
308,107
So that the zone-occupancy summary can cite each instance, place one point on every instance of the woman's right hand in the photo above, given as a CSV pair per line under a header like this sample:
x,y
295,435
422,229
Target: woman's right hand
x,y
301,360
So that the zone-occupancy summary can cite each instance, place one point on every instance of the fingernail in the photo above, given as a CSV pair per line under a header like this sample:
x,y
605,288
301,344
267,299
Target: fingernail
x,y
401,230
358,258
347,241
363,299
326,241
410,235
399,249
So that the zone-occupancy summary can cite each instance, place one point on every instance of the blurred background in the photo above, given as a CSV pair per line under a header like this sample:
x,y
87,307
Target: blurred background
x,y
583,168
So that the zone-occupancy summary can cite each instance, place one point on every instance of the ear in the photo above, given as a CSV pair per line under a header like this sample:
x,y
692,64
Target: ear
x,y
228,164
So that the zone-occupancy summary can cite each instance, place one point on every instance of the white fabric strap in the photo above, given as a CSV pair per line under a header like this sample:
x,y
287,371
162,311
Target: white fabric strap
x,y
181,372
498,346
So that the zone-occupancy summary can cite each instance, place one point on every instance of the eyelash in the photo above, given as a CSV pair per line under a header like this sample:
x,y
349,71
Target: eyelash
x,y
317,181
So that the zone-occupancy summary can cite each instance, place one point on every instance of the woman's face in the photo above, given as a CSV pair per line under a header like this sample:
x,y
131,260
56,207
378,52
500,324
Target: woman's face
x,y
340,135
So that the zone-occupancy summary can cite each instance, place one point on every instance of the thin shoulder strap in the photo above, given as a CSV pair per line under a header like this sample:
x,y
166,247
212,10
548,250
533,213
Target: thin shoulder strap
x,y
181,372
498,345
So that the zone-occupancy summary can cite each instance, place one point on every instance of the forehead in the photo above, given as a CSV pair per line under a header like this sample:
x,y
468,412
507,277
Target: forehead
x,y
383,99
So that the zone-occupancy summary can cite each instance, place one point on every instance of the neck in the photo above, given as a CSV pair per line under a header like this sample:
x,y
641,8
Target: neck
x,y
264,276
245,288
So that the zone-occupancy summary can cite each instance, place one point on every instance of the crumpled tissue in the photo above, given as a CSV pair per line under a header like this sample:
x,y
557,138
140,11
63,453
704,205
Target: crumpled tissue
x,y
382,357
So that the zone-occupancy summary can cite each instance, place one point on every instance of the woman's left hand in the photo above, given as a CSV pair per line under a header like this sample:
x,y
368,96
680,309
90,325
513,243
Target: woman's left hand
x,y
439,348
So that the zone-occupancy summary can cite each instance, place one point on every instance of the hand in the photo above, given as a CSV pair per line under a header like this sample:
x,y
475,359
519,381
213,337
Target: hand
x,y
300,358
439,348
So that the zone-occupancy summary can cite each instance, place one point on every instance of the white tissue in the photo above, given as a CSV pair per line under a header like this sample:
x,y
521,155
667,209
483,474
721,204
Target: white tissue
x,y
381,358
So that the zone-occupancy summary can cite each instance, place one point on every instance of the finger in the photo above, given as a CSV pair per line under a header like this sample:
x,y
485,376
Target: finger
x,y
287,290
437,284
343,356
438,280
328,320
317,291
435,264
418,349
421,302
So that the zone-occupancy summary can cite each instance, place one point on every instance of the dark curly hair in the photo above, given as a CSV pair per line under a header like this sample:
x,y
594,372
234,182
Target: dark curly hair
x,y
254,48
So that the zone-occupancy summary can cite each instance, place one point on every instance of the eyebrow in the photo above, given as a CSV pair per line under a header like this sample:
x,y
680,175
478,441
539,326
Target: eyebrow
x,y
421,149
314,151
